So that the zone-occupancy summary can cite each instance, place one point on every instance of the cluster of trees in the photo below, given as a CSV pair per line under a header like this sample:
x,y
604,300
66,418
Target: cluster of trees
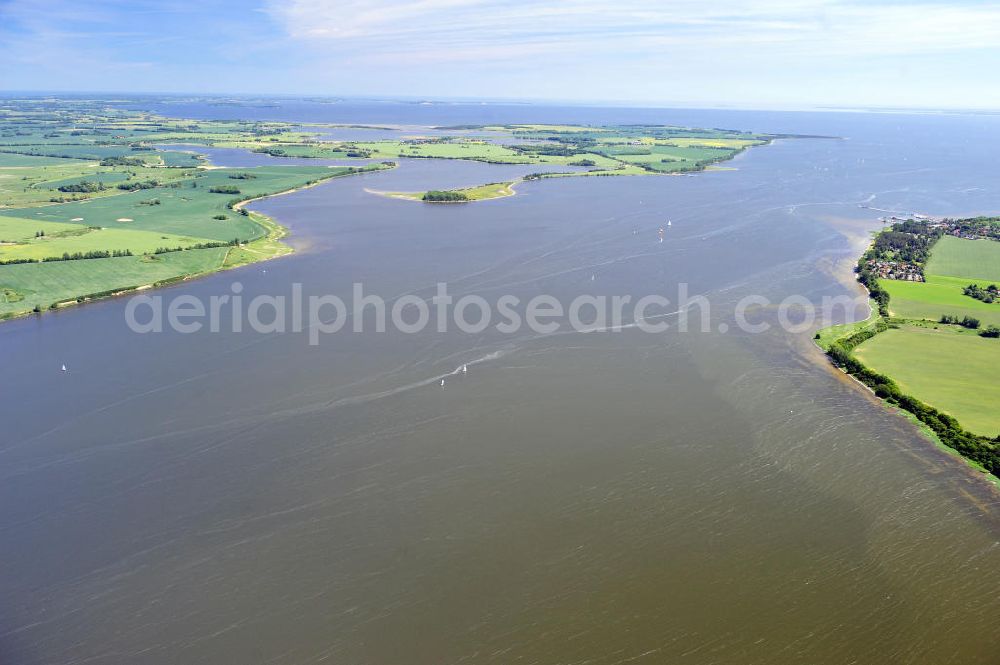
x,y
224,189
966,322
902,244
123,161
39,234
436,195
274,152
978,448
150,202
242,176
991,331
583,162
83,187
138,184
93,254
987,295
909,242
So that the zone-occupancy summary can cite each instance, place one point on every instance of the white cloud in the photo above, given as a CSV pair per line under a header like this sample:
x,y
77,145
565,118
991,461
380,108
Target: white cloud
x,y
453,30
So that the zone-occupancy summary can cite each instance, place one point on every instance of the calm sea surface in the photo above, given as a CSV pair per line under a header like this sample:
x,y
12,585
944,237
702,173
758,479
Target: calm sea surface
x,y
601,498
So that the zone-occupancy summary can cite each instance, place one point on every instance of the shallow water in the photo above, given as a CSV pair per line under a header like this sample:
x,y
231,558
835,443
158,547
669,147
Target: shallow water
x,y
699,497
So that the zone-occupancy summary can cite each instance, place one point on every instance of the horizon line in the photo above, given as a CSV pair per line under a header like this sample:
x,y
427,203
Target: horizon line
x,y
526,101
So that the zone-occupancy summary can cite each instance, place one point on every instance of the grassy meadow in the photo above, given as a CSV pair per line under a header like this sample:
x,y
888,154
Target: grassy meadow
x,y
182,214
950,368
28,285
937,296
70,238
974,260
186,206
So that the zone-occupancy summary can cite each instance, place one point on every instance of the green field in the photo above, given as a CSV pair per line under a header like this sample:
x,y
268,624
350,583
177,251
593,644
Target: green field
x,y
8,159
947,367
935,297
954,264
44,284
103,176
185,216
187,207
70,238
827,336
158,206
614,150
976,260
38,185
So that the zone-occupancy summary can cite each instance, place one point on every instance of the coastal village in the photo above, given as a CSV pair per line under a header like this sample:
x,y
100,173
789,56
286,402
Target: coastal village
x,y
913,272
907,272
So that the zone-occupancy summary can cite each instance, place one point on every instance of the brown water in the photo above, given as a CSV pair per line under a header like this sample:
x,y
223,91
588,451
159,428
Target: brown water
x,y
576,498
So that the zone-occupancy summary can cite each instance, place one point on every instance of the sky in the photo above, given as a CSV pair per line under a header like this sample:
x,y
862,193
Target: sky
x,y
737,53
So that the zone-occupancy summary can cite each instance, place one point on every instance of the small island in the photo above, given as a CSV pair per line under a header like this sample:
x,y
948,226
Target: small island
x,y
493,190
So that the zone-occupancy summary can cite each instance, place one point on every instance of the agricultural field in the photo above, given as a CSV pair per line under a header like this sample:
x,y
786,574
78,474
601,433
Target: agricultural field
x,y
186,206
56,239
88,205
954,264
936,297
631,150
32,186
27,285
952,369
975,260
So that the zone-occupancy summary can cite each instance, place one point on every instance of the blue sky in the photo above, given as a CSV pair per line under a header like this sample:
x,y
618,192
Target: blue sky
x,y
742,53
